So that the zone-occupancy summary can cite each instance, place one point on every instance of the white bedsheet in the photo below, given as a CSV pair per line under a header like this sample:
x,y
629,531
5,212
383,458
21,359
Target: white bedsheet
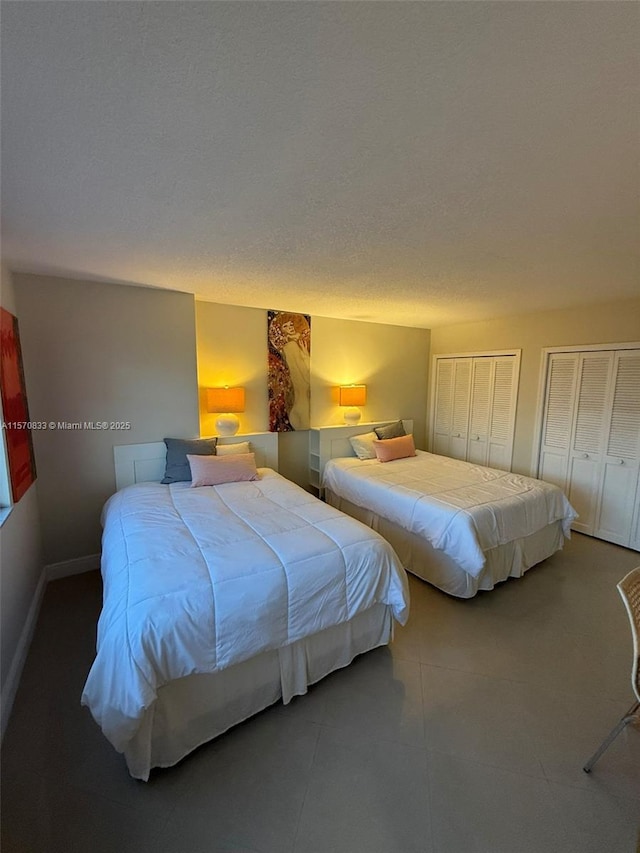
x,y
196,580
459,508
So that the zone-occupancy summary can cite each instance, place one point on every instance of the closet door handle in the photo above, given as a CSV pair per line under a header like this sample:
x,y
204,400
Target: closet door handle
x,y
585,455
620,461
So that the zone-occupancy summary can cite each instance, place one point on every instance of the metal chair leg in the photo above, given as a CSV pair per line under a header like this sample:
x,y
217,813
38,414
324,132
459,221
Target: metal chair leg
x,y
628,717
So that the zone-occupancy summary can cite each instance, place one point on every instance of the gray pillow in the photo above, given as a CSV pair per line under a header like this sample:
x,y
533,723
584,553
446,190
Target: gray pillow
x,y
177,469
390,430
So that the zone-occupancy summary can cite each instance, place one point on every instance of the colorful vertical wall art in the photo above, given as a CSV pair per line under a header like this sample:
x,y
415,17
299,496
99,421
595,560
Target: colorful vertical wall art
x,y
15,412
289,371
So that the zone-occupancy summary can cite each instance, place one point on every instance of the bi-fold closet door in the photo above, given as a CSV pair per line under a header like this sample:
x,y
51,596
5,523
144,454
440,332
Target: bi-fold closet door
x,y
591,439
475,405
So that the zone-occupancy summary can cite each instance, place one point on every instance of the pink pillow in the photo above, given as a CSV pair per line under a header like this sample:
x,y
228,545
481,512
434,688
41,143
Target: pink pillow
x,y
215,470
386,449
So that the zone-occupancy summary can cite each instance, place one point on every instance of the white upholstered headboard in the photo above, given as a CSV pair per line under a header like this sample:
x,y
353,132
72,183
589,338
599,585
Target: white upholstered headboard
x,y
145,463
332,442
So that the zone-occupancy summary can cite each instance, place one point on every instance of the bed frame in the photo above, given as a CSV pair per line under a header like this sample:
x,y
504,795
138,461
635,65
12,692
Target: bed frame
x,y
145,463
195,709
417,556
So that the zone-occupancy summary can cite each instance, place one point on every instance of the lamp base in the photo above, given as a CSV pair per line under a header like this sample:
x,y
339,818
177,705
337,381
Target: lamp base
x,y
227,424
352,415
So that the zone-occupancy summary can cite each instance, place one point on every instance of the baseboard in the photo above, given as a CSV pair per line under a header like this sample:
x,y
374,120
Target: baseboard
x,y
77,566
13,678
53,571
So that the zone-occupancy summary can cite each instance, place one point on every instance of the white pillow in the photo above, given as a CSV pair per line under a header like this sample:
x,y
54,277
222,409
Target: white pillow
x,y
232,449
363,445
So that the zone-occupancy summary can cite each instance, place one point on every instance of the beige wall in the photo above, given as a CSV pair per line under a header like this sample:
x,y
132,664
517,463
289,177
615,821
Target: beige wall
x,y
390,360
232,350
615,322
21,562
100,352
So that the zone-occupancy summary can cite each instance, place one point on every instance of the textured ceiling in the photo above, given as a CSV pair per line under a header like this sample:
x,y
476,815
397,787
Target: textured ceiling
x,y
413,163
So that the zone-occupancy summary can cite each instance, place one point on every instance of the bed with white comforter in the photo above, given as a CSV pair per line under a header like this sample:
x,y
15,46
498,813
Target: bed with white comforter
x,y
460,526
245,578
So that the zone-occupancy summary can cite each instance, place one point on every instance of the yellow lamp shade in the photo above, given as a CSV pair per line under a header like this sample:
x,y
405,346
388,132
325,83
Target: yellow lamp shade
x,y
225,399
353,395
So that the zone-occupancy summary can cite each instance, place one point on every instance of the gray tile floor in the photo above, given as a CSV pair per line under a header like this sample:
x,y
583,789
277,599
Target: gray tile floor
x,y
467,735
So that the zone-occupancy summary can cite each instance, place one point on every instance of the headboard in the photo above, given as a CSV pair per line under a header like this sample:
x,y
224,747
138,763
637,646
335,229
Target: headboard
x,y
145,463
332,442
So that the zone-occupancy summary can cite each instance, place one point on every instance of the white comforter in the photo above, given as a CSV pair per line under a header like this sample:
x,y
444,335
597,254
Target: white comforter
x,y
196,580
460,508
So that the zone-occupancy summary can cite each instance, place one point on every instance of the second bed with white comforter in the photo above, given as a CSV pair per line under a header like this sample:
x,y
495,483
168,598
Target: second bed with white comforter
x,y
463,511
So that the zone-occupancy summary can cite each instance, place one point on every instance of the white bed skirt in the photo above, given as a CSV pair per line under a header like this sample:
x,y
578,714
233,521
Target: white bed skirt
x,y
193,710
510,560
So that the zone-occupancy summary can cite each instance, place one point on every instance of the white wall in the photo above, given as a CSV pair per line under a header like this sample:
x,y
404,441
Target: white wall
x,y
391,360
97,352
21,568
613,322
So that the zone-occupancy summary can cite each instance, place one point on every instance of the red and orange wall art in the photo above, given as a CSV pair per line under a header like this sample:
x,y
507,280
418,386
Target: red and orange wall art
x,y
15,411
289,370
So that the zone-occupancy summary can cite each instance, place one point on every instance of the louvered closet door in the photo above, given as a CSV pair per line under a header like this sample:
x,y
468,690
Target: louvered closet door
x,y
475,406
453,382
503,406
479,418
591,440
558,418
460,418
444,406
621,456
589,431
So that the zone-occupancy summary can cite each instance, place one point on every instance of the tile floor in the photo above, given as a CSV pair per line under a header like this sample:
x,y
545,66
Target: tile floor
x,y
467,735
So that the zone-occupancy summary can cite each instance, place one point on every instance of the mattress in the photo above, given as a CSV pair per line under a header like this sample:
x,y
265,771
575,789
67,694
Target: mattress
x,y
464,512
198,580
